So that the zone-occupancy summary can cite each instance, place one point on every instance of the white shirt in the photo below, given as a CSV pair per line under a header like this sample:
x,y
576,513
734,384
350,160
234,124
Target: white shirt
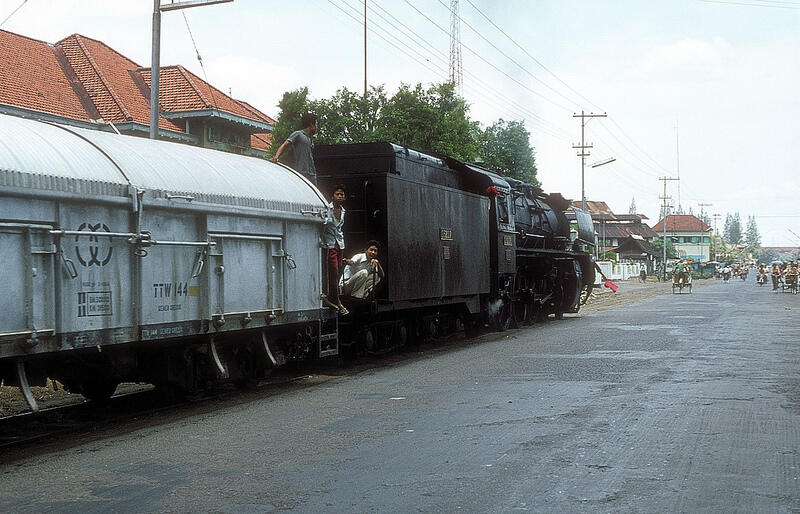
x,y
359,263
332,232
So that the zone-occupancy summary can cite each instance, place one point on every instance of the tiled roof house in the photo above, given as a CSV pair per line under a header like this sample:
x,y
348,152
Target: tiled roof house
x,y
690,235
84,82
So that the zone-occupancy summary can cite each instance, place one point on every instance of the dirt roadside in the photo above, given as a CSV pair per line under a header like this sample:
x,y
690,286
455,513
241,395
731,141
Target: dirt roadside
x,y
630,291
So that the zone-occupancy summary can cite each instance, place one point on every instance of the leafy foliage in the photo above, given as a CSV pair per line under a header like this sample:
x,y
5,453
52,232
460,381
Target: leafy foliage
x,y
658,245
433,120
349,117
752,237
506,148
733,229
293,105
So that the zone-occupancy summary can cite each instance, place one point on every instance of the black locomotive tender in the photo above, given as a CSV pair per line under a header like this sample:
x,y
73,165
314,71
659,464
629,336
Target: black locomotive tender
x,y
126,259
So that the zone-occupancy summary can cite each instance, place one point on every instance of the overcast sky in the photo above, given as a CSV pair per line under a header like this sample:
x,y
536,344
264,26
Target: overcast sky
x,y
707,90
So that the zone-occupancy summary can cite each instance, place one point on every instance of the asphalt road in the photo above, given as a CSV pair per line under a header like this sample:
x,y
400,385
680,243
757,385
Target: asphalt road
x,y
679,403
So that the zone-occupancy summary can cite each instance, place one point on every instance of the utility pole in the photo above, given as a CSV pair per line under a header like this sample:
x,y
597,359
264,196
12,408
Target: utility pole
x,y
702,220
155,66
714,238
365,50
456,72
583,153
665,206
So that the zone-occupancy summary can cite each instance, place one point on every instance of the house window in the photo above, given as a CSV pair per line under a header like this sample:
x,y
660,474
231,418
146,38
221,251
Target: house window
x,y
706,239
695,239
211,133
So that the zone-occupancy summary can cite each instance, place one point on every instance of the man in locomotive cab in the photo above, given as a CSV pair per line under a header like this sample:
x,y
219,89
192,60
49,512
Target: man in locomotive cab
x,y
333,241
302,147
362,273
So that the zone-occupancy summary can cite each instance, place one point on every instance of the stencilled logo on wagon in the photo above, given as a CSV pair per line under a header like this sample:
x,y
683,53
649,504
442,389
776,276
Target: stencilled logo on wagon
x,y
93,250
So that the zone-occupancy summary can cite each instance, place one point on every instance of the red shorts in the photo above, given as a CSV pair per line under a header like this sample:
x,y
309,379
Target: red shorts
x,y
336,257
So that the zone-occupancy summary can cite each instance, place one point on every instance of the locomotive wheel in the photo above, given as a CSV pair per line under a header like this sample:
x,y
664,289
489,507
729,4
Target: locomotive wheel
x,y
520,314
586,292
503,319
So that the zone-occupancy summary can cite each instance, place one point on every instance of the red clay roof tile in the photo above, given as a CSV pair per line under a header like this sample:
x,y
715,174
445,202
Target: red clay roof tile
x,y
681,223
32,77
82,78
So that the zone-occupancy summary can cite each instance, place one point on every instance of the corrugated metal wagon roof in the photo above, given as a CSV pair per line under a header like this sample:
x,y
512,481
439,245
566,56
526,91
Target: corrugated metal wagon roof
x,y
45,156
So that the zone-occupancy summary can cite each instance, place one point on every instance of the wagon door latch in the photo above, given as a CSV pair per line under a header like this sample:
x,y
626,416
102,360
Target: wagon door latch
x,y
323,214
290,263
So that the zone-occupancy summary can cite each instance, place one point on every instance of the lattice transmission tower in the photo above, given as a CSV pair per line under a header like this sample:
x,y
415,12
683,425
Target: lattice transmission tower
x,y
456,73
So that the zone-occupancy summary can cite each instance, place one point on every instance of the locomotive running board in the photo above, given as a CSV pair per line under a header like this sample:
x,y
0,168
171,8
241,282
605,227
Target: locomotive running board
x,y
25,387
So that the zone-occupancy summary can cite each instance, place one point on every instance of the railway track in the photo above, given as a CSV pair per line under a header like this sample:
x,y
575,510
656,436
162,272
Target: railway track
x,y
23,430
64,423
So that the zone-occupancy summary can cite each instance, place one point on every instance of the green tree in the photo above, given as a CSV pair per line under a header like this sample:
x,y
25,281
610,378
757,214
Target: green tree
x,y
292,106
434,120
765,255
752,237
349,117
659,247
506,148
733,229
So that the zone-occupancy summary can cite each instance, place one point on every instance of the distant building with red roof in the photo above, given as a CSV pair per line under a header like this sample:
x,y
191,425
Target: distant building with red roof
x,y
83,82
690,235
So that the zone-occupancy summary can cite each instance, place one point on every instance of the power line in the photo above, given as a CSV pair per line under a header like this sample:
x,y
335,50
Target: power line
x,y
13,12
200,60
533,58
482,58
537,79
545,126
391,43
792,6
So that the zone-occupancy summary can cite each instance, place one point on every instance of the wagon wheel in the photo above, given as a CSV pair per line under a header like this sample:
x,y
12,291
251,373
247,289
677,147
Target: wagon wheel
x,y
98,390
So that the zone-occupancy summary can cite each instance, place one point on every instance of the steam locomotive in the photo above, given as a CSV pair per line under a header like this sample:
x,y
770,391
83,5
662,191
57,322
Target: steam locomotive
x,y
463,245
126,259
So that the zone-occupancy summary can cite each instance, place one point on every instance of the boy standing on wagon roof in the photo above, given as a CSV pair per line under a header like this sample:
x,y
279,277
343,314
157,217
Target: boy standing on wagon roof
x,y
302,147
